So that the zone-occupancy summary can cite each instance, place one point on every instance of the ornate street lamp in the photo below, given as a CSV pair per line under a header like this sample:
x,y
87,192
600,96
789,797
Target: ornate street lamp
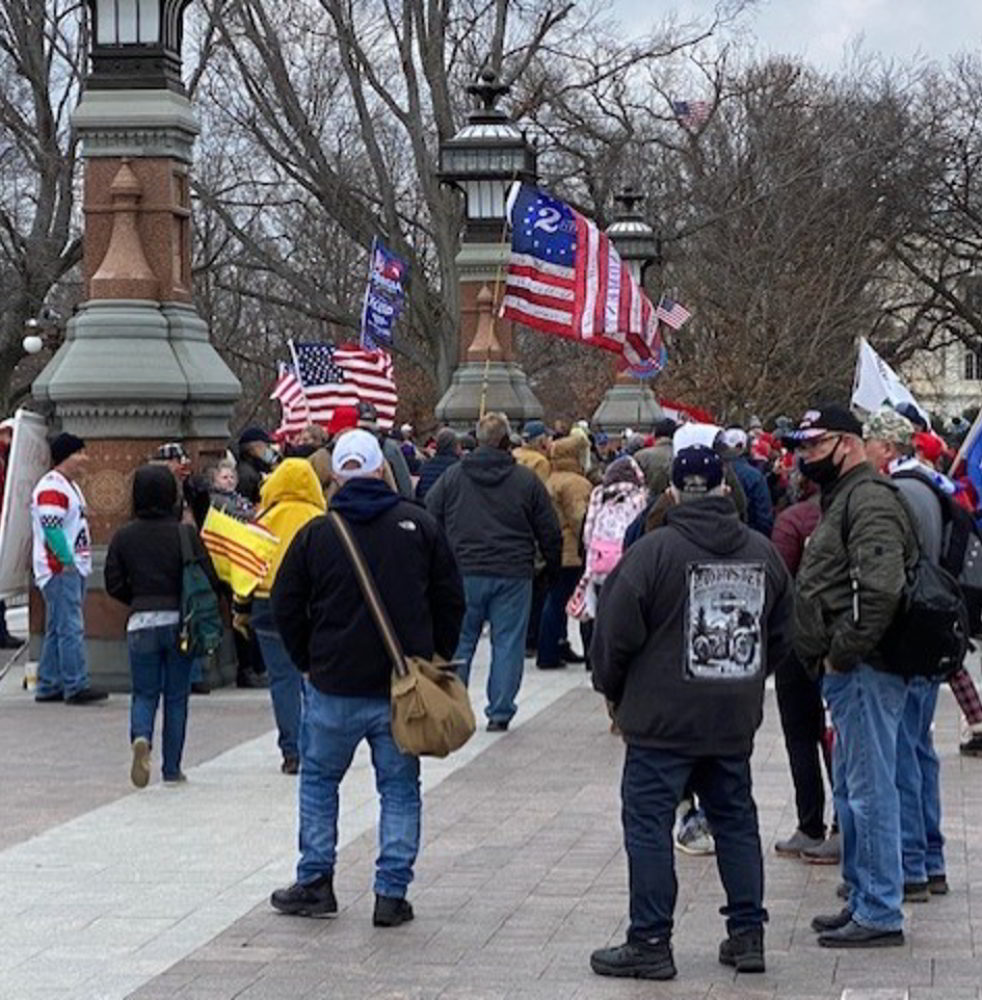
x,y
636,241
483,160
136,44
628,402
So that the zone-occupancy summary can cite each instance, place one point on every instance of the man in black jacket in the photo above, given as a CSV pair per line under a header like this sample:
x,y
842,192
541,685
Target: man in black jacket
x,y
329,632
447,454
689,624
495,511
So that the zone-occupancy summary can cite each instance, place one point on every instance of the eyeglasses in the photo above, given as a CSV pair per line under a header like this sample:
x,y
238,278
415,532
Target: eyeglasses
x,y
815,442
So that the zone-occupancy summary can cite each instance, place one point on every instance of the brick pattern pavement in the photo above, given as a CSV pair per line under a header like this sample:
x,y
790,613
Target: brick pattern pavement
x,y
522,874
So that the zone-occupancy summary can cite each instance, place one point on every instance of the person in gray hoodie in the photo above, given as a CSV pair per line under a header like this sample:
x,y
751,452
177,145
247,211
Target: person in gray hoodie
x,y
689,624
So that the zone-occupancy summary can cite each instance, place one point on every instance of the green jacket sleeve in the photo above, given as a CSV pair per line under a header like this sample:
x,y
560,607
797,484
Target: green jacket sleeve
x,y
877,537
58,544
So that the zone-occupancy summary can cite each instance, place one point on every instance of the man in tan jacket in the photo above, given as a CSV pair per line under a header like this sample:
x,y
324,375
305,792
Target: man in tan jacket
x,y
534,454
570,492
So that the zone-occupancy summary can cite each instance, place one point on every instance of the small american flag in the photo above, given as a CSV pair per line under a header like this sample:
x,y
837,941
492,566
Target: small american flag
x,y
691,114
566,278
326,377
672,313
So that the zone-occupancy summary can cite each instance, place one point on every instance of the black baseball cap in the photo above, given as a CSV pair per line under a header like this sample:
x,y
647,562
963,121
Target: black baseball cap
x,y
697,470
828,419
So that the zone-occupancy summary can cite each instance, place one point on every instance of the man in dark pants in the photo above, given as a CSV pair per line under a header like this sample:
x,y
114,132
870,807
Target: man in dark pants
x,y
687,626
799,702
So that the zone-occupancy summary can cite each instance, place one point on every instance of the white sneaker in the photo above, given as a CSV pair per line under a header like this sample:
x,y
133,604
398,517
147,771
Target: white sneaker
x,y
693,835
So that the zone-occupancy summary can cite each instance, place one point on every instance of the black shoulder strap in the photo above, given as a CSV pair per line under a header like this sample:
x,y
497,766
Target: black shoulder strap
x,y
187,550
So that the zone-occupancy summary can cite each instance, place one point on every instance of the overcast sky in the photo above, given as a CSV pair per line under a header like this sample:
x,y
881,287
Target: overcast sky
x,y
820,30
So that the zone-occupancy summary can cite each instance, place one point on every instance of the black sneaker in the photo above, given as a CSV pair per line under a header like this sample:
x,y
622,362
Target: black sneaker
x,y
200,687
972,747
290,765
391,911
315,899
831,921
54,696
566,653
250,679
86,696
635,960
916,892
744,950
498,726
937,885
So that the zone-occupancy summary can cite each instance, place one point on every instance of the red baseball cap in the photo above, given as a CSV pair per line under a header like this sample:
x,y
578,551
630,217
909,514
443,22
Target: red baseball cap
x,y
342,418
930,445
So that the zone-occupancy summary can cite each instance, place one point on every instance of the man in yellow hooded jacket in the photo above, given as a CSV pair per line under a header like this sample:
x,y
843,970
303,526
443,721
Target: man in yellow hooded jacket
x,y
290,497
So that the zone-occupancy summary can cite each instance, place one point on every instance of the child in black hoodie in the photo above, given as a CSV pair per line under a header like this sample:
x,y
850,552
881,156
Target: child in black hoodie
x,y
144,569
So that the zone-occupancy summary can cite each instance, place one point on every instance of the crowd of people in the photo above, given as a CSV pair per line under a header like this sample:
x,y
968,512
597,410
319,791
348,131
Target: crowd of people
x,y
695,559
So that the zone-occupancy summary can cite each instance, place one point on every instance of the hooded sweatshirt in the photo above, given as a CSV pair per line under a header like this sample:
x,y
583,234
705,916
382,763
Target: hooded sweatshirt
x,y
495,512
144,565
690,622
325,623
289,498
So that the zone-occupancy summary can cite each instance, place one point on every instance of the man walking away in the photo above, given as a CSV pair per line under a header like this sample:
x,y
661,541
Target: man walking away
x,y
689,624
331,636
447,454
848,590
535,451
62,564
890,449
495,512
760,509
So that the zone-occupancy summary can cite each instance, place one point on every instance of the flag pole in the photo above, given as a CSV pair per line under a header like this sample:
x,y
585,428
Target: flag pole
x,y
296,368
509,202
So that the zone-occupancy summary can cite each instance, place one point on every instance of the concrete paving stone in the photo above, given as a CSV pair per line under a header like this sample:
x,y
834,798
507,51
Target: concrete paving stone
x,y
943,993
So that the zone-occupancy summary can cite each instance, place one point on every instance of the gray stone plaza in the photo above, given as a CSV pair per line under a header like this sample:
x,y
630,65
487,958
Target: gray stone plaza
x,y
161,894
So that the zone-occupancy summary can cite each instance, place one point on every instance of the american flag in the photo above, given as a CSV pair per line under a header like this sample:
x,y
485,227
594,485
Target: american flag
x,y
566,278
672,313
326,377
691,114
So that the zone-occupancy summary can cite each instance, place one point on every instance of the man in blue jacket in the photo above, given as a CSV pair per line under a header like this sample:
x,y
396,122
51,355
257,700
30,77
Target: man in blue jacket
x,y
760,509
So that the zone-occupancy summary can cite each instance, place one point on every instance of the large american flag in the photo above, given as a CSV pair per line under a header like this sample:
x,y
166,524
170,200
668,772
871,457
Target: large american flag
x,y
691,114
325,377
566,278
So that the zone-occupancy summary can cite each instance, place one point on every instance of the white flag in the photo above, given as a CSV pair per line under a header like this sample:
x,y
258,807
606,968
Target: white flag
x,y
877,383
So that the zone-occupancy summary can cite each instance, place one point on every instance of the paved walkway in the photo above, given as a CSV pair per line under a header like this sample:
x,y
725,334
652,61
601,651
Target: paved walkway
x,y
161,893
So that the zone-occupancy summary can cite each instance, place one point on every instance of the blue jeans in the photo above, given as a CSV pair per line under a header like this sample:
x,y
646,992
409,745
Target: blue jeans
x,y
503,601
651,788
866,706
332,728
919,785
285,681
62,668
157,668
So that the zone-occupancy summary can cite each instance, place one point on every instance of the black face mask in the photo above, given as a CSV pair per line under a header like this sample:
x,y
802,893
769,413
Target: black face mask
x,y
822,472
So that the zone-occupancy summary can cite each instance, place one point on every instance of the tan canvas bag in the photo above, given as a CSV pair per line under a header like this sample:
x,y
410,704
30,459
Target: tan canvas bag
x,y
431,711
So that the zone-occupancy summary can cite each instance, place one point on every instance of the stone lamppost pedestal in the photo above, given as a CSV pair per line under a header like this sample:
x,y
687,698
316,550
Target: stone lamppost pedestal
x,y
136,368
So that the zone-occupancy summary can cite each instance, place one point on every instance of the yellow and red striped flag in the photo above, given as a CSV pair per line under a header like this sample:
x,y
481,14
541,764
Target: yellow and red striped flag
x,y
240,552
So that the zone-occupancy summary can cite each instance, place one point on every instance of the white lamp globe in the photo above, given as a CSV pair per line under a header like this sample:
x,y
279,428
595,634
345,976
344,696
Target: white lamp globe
x,y
32,343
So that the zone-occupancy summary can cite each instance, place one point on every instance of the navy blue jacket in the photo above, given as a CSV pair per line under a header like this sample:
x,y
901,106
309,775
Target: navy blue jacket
x,y
760,509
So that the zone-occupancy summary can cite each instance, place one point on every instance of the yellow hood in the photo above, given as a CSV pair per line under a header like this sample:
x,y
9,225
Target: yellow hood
x,y
289,498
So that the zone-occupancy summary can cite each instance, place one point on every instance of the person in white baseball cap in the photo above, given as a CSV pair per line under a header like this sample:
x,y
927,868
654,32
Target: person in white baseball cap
x,y
356,454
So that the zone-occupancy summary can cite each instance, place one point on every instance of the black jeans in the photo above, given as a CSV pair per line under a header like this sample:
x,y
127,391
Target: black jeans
x,y
4,634
553,622
650,791
799,703
539,588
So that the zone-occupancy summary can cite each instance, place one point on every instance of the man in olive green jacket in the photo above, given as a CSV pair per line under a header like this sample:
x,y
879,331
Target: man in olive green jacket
x,y
848,589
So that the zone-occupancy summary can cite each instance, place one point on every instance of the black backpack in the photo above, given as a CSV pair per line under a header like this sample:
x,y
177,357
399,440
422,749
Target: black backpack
x,y
961,548
929,635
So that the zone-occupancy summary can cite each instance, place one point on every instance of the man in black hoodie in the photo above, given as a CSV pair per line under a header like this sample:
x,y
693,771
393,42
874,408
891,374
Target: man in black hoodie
x,y
330,634
495,511
689,624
